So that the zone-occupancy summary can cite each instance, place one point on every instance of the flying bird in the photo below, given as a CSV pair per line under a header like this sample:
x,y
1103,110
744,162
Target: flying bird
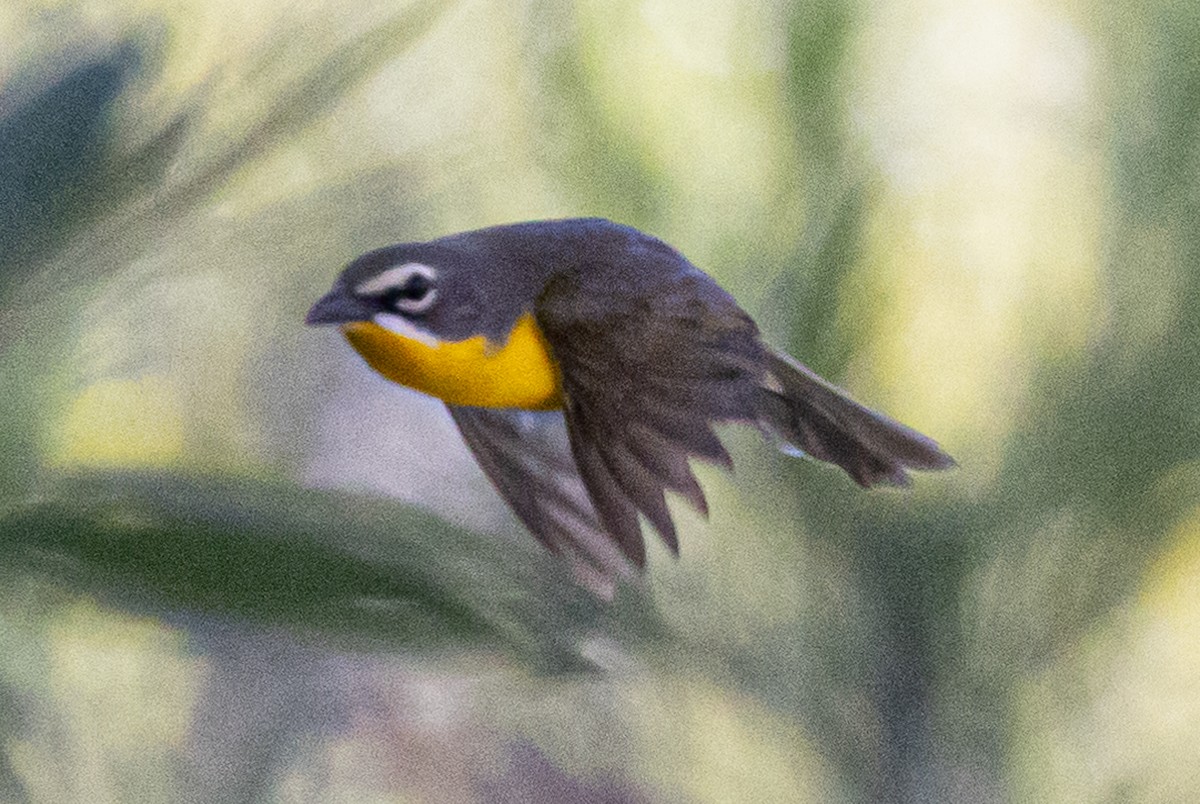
x,y
585,364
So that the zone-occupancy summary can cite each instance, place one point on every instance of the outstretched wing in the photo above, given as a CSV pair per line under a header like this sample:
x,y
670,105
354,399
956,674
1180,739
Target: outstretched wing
x,y
527,457
648,367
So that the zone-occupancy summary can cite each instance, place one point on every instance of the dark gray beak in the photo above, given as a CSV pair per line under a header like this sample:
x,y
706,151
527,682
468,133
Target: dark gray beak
x,y
337,307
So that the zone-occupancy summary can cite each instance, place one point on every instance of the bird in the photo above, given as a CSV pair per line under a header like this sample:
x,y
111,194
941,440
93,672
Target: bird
x,y
585,364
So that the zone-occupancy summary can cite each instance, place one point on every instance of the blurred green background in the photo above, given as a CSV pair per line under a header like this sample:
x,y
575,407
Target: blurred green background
x,y
235,565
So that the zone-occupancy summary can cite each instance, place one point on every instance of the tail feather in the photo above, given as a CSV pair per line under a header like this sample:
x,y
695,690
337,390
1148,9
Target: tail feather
x,y
809,414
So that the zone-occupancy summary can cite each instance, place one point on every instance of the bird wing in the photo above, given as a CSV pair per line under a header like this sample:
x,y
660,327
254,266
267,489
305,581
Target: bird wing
x,y
527,456
647,369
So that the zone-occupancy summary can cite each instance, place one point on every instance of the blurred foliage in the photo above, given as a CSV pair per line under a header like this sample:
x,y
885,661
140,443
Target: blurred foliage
x,y
256,551
234,565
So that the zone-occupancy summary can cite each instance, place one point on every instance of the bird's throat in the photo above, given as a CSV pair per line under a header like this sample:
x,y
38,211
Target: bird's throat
x,y
520,373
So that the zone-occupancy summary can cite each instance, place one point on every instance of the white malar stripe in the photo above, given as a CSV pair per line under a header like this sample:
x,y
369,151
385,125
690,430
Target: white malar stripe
x,y
394,278
406,329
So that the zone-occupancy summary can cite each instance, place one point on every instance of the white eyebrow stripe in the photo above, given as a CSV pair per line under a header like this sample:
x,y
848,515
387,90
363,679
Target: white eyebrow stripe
x,y
406,329
393,278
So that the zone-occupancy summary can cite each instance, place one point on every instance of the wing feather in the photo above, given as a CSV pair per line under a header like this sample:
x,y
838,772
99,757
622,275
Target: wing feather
x,y
528,458
646,375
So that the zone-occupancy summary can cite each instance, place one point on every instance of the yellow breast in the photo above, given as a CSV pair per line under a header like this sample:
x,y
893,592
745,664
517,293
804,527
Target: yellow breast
x,y
473,372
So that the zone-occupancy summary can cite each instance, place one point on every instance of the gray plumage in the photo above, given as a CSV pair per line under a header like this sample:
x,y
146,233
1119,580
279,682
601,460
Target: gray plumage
x,y
652,354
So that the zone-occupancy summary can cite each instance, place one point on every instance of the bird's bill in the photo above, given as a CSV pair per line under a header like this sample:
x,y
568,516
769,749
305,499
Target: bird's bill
x,y
337,307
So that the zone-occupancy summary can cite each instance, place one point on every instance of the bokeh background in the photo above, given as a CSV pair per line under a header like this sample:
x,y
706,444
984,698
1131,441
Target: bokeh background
x,y
237,566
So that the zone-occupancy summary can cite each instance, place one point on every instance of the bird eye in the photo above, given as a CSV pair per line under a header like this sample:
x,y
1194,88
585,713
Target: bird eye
x,y
407,288
413,296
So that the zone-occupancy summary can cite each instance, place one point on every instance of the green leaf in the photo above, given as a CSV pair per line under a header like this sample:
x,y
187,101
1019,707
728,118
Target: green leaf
x,y
371,573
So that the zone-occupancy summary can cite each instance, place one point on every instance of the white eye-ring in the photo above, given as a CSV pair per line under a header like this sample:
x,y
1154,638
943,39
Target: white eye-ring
x,y
407,288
